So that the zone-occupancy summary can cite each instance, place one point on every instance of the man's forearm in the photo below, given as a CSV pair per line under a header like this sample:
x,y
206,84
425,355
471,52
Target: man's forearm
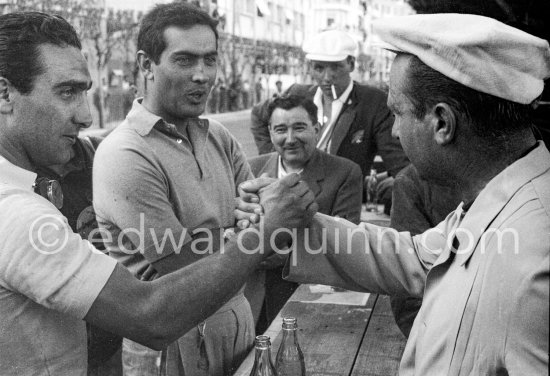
x,y
200,246
192,294
157,313
360,258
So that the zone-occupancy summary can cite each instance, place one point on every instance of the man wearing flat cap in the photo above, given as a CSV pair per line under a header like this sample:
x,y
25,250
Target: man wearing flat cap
x,y
462,88
355,121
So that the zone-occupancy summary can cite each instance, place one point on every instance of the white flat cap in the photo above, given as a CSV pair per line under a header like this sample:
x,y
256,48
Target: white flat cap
x,y
330,45
476,51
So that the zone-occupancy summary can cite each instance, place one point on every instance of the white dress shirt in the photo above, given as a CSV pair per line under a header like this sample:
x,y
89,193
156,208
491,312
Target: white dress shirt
x,y
327,126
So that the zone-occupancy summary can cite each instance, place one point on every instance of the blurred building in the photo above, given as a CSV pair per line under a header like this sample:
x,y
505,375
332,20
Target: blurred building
x,y
379,67
260,42
347,15
262,39
4,6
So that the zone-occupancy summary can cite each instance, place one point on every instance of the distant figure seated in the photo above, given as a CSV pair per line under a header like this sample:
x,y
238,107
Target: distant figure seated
x,y
336,182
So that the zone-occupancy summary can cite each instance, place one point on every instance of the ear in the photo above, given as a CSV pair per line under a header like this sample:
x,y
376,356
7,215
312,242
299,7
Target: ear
x,y
6,105
317,128
351,62
145,64
444,123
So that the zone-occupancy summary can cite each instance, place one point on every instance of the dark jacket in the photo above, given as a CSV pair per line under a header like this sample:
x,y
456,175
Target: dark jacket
x,y
362,131
336,182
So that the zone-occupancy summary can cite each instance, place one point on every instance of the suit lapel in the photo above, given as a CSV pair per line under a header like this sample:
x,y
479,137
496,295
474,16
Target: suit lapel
x,y
314,172
271,166
344,121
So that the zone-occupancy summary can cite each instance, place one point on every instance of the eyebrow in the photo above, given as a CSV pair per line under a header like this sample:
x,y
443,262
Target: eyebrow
x,y
185,53
290,125
82,85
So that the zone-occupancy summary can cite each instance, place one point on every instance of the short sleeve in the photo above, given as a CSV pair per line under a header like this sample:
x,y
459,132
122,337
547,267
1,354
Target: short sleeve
x,y
42,259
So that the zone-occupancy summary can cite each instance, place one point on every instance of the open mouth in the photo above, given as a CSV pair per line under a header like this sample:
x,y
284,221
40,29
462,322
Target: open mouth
x,y
197,96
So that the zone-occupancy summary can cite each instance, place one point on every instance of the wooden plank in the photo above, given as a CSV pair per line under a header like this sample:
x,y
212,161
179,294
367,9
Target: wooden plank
x,y
329,334
383,344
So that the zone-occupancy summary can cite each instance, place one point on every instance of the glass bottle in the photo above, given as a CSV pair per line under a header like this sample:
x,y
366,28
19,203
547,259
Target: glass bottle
x,y
372,192
290,359
262,360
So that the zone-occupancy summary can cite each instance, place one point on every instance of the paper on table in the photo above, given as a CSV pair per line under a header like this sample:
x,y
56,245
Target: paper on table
x,y
329,296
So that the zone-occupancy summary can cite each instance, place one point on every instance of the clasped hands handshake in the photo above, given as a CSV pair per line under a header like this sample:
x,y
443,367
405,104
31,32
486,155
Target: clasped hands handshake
x,y
276,204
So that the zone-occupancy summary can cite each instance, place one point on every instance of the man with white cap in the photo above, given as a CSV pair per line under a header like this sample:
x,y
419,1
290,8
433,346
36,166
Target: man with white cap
x,y
462,89
355,121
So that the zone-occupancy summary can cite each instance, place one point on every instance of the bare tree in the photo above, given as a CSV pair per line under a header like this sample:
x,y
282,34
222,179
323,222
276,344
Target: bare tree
x,y
101,29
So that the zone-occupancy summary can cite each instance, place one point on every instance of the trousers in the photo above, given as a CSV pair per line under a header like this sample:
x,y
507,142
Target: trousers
x,y
214,348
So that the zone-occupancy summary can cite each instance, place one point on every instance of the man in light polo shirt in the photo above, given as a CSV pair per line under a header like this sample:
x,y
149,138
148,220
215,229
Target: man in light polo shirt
x,y
462,88
177,174
50,278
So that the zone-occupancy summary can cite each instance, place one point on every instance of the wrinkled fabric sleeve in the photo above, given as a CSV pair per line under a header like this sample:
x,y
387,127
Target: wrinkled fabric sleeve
x,y
364,257
42,259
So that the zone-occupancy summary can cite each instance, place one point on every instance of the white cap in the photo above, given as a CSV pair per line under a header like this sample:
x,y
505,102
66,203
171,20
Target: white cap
x,y
330,45
476,51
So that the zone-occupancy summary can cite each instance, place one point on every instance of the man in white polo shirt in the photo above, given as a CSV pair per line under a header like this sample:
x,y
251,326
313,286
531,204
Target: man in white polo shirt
x,y
50,278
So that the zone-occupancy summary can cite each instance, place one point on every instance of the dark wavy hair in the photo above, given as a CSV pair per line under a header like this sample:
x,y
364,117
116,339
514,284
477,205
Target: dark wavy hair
x,y
288,102
21,33
184,15
489,116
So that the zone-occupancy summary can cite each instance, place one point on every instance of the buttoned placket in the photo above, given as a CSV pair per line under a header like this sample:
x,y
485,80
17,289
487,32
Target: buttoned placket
x,y
171,131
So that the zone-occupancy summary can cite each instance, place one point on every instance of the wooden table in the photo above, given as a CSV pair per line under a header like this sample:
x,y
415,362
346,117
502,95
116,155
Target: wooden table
x,y
341,333
340,339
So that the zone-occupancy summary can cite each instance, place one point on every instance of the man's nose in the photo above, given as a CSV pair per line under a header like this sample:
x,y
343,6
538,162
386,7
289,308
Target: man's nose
x,y
83,116
200,72
327,75
290,137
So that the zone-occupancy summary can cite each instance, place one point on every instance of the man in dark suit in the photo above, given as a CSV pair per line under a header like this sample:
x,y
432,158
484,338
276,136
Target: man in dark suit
x,y
336,183
355,122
